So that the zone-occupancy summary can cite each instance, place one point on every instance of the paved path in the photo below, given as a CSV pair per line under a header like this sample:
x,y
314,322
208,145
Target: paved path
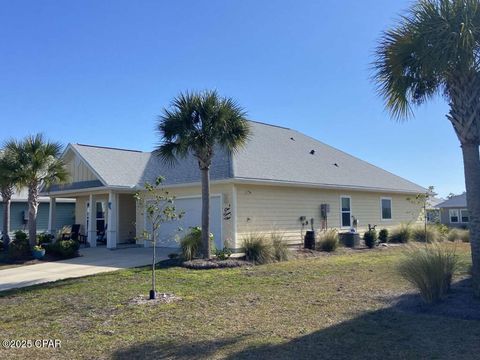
x,y
92,261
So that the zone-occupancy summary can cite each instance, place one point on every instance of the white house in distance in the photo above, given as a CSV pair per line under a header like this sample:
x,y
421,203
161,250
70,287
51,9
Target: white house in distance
x,y
281,177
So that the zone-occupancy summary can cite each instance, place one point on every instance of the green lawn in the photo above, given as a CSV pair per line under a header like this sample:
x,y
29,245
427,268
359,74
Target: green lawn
x,y
338,306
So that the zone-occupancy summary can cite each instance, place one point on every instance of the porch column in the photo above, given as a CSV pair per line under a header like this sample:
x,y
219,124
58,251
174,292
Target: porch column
x,y
92,222
112,220
52,212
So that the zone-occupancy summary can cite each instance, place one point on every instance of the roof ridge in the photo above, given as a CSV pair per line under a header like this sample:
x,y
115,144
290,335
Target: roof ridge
x,y
109,148
272,125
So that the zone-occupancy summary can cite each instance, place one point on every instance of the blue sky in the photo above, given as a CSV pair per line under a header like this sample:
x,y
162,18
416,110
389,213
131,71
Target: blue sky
x,y
99,72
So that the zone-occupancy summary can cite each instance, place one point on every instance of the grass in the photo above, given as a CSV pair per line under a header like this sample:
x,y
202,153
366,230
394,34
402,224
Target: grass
x,y
400,234
333,306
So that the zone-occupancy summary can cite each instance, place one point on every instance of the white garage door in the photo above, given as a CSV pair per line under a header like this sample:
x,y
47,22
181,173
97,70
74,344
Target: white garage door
x,y
193,217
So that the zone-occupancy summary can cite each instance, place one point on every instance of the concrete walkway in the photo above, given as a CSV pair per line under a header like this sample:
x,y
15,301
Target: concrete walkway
x,y
92,261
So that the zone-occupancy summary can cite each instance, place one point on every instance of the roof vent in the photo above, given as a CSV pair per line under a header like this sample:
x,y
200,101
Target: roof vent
x,y
292,139
335,164
312,152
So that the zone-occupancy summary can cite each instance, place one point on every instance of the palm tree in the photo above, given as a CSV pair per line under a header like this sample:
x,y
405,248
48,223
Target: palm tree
x,y
7,185
195,124
435,49
38,163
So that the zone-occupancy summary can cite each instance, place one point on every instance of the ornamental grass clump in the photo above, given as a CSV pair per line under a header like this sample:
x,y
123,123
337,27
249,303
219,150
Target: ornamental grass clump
x,y
328,240
280,247
430,235
459,235
191,243
258,249
430,269
401,234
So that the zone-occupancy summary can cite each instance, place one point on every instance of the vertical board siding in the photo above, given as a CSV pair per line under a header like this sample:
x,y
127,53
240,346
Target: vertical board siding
x,y
126,217
275,208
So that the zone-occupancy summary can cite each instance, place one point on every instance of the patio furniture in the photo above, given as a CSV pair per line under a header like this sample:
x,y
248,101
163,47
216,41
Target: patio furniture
x,y
101,232
74,234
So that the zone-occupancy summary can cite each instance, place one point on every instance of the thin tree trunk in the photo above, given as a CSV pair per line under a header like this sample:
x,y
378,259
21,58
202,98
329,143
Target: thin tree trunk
x,y
206,248
471,161
32,213
6,222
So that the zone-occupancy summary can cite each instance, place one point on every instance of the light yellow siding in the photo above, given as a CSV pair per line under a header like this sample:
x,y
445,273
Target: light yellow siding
x,y
126,217
276,208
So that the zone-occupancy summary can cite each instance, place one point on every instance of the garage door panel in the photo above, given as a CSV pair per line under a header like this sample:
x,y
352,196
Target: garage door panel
x,y
169,233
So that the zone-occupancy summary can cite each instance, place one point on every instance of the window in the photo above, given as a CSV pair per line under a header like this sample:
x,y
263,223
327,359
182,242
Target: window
x,y
464,216
453,215
386,204
346,211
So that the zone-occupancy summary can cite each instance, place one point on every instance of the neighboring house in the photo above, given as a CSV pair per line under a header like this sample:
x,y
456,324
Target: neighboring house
x,y
278,178
19,212
433,212
454,212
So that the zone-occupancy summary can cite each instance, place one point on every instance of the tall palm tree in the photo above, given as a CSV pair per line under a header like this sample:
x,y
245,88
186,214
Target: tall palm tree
x,y
7,185
38,163
195,124
435,49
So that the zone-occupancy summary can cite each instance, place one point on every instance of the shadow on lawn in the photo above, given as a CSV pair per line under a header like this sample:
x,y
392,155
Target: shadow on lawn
x,y
406,330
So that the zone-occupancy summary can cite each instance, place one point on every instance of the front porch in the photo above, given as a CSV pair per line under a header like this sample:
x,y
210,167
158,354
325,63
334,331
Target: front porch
x,y
113,217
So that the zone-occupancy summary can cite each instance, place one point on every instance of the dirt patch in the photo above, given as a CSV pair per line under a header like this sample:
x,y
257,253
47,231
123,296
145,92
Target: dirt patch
x,y
459,303
201,264
161,298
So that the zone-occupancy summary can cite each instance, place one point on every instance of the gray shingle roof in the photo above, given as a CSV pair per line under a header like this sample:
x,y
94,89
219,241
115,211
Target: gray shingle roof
x,y
272,154
459,201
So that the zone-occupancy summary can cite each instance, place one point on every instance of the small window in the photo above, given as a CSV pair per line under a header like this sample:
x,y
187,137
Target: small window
x,y
464,216
453,216
346,211
386,208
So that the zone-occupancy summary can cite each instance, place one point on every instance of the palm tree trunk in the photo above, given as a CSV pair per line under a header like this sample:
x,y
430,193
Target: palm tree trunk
x,y
471,161
206,248
32,213
6,222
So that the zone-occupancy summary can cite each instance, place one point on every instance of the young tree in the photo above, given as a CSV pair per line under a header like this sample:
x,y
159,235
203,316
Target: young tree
x,y
157,205
8,182
38,163
195,123
435,49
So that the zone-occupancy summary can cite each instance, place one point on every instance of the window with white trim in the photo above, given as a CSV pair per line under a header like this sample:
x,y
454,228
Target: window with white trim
x,y
464,216
345,211
453,213
386,204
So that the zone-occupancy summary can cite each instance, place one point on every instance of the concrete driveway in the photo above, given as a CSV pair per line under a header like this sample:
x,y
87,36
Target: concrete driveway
x,y
92,261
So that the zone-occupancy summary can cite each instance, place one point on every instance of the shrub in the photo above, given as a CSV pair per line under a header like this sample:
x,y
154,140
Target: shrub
x,y
173,256
19,248
430,269
257,249
370,238
20,235
465,236
458,234
329,240
401,234
44,238
192,243
432,234
383,235
223,254
280,247
64,249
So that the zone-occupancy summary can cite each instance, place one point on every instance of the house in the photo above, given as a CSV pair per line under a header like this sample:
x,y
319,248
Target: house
x,y
280,181
65,212
454,212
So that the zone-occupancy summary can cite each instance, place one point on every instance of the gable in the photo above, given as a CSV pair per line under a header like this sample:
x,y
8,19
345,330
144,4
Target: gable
x,y
79,171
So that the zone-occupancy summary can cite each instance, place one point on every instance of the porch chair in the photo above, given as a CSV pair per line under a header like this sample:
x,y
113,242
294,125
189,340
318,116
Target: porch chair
x,y
74,234
101,232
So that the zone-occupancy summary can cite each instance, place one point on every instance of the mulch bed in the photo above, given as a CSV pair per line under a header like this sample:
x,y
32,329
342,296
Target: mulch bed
x,y
161,298
201,264
459,303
